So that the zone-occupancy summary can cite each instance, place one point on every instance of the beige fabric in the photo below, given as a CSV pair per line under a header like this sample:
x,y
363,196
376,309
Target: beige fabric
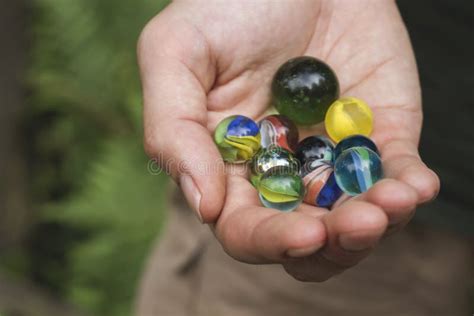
x,y
417,272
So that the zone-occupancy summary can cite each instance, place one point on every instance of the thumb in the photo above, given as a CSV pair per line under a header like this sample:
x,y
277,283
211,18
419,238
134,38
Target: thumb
x,y
176,77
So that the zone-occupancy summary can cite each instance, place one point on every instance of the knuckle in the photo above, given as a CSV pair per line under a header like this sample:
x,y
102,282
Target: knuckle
x,y
151,143
435,183
223,235
228,240
161,132
154,34
231,240
145,37
430,187
164,38
230,247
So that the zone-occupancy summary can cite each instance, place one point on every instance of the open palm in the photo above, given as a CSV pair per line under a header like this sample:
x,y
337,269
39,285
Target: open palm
x,y
203,61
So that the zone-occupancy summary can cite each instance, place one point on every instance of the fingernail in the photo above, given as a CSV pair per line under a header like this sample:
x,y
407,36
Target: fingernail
x,y
302,252
352,242
191,192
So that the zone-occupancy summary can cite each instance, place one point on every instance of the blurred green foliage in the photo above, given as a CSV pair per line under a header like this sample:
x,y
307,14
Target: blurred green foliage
x,y
99,208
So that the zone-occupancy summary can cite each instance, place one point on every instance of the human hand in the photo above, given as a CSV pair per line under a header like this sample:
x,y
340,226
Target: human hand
x,y
202,61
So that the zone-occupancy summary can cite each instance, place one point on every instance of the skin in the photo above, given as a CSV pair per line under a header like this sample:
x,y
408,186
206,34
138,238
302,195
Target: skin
x,y
202,61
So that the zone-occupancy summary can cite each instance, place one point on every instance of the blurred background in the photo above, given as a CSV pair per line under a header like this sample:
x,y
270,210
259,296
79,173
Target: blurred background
x,y
79,210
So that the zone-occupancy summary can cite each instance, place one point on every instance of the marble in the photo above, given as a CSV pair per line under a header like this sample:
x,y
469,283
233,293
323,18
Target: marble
x,y
355,141
281,189
238,138
271,157
278,130
303,88
314,147
320,183
357,169
348,116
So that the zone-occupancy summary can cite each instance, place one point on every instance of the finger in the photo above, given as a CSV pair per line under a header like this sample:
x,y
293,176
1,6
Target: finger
x,y
176,73
402,162
311,210
397,199
353,229
255,234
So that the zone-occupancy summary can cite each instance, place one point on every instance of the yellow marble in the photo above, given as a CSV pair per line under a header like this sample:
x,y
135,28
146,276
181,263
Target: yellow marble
x,y
348,116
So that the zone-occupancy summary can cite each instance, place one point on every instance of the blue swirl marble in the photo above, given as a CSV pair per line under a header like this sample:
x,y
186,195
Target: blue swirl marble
x,y
238,138
357,169
329,193
242,126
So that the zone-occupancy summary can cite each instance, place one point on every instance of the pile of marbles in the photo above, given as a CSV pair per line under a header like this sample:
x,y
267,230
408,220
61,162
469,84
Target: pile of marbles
x,y
318,169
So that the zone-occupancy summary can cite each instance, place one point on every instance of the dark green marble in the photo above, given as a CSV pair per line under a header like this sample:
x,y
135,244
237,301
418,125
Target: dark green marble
x,y
303,88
